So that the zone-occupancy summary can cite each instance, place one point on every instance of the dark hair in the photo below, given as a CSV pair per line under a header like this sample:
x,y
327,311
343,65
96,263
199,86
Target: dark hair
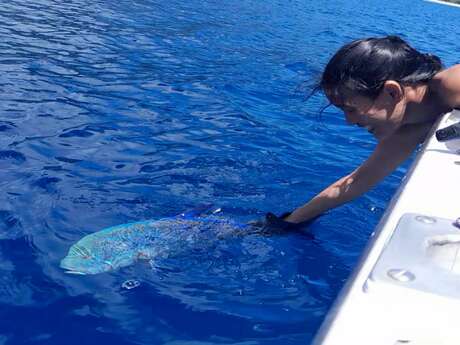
x,y
364,65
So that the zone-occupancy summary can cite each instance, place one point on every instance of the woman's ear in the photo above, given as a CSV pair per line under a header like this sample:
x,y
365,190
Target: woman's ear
x,y
393,90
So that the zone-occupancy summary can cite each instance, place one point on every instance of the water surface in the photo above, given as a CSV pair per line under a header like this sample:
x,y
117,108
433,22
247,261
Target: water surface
x,y
118,111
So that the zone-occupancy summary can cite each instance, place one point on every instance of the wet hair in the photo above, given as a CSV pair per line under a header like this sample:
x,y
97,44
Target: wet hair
x,y
364,65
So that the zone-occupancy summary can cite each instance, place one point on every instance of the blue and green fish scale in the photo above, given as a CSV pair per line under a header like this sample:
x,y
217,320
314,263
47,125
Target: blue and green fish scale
x,y
122,245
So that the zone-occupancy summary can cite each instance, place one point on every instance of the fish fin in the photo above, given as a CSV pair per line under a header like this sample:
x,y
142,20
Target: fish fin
x,y
200,210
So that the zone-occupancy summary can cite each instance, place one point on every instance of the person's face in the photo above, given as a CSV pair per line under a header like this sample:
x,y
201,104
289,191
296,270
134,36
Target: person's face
x,y
381,116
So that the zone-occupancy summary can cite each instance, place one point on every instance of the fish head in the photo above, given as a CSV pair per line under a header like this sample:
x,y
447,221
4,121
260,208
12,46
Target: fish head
x,y
83,259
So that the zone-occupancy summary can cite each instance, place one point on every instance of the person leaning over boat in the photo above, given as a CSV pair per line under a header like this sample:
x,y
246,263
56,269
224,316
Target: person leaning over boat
x,y
396,93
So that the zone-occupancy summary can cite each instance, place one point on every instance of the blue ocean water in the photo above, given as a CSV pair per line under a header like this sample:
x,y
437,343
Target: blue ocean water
x,y
118,111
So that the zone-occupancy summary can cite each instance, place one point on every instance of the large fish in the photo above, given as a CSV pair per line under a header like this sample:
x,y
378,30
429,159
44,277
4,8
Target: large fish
x,y
122,245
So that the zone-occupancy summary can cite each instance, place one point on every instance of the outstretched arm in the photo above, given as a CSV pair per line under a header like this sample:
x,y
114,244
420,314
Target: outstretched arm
x,y
388,154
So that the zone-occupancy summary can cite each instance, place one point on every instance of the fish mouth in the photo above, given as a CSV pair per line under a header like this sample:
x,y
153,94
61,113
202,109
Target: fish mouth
x,y
74,272
69,269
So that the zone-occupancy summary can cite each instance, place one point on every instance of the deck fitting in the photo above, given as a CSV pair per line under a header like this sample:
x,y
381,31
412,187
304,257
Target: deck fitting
x,y
401,275
425,219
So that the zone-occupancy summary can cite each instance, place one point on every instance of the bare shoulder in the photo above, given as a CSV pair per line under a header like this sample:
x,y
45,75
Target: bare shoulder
x,y
447,85
392,151
415,132
405,139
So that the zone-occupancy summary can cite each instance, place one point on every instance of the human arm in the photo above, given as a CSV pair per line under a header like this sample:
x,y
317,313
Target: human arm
x,y
387,156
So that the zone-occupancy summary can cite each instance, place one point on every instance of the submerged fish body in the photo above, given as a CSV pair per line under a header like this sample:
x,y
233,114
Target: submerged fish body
x,y
122,245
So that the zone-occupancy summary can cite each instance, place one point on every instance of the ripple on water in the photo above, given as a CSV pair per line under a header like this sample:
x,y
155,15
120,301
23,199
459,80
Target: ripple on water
x,y
10,225
6,126
68,160
47,183
13,291
249,278
80,133
12,156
